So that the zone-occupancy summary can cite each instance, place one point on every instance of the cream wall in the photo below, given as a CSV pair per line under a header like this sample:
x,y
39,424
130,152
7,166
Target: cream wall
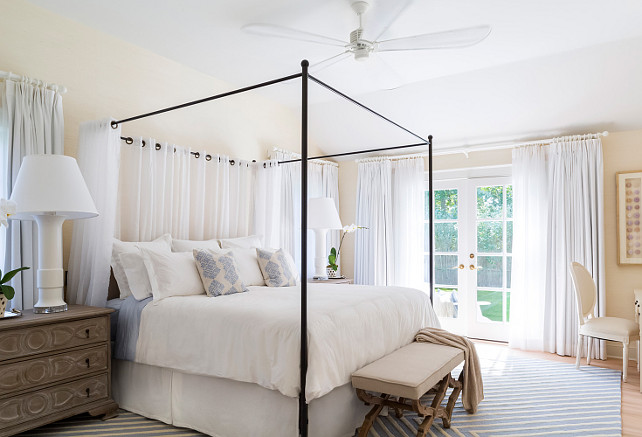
x,y
622,152
107,77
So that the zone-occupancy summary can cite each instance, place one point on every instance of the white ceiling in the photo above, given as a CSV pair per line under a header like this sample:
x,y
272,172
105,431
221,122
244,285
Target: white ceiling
x,y
549,67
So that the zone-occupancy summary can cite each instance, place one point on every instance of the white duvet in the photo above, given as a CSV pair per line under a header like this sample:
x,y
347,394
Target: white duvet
x,y
254,336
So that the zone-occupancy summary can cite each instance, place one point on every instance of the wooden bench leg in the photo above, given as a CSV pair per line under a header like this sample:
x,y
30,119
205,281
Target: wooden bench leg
x,y
370,417
434,407
456,386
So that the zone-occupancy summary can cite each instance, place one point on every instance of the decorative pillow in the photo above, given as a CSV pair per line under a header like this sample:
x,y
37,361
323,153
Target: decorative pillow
x,y
190,245
163,242
219,272
276,268
136,273
251,242
172,274
248,266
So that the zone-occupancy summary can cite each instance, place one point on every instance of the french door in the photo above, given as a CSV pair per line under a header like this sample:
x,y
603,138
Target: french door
x,y
473,236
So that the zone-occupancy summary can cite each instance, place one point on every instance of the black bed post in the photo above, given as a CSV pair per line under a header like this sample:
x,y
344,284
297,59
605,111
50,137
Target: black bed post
x,y
303,406
430,214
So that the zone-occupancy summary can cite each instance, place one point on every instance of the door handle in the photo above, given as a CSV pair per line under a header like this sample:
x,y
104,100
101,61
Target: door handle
x,y
472,255
472,267
460,267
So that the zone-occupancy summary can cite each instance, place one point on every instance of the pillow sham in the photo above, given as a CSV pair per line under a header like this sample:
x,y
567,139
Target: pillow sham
x,y
172,274
276,268
249,242
136,272
248,266
219,272
190,245
163,242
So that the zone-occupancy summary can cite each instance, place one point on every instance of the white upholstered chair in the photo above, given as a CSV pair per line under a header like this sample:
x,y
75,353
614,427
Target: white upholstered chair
x,y
605,328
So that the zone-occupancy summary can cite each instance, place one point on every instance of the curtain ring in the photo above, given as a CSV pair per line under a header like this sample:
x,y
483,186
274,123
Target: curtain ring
x,y
144,143
158,146
129,140
219,159
231,162
208,157
264,165
197,155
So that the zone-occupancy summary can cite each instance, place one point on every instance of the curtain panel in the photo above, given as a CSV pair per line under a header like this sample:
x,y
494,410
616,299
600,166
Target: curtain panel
x,y
390,202
31,122
559,218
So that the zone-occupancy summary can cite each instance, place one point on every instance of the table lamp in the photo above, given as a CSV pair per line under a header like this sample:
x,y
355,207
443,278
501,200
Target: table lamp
x,y
322,216
50,189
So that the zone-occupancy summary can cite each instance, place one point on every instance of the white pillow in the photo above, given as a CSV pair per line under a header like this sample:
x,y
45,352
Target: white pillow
x,y
291,263
172,274
190,245
136,273
163,242
250,242
248,266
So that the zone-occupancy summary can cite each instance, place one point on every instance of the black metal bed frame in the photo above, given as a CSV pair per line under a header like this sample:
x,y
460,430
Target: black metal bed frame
x,y
305,78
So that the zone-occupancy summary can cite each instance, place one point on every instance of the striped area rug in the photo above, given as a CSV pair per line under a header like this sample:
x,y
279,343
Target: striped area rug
x,y
523,397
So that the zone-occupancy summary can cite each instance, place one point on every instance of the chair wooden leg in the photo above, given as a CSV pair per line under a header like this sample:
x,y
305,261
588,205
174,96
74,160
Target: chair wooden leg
x,y
589,350
625,360
578,351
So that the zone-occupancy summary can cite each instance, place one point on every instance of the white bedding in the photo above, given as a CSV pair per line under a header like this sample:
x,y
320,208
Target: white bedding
x,y
254,336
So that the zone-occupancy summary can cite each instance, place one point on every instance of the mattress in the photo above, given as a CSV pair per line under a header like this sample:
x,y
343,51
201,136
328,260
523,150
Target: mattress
x,y
255,336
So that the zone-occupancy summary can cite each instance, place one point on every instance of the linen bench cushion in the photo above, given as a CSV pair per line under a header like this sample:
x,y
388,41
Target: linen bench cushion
x,y
408,372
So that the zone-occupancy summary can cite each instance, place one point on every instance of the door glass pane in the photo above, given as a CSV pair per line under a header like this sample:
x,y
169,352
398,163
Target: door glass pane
x,y
446,237
490,202
426,205
489,237
446,269
509,236
446,302
426,237
490,271
490,306
445,205
509,201
508,306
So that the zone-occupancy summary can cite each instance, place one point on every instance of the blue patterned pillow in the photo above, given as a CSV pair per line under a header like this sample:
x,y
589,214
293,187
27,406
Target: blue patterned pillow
x,y
275,268
219,272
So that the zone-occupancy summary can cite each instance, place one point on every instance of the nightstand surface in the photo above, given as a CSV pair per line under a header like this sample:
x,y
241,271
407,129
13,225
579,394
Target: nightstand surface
x,y
331,281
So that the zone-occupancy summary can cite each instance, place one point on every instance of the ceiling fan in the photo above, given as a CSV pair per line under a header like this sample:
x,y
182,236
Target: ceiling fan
x,y
364,43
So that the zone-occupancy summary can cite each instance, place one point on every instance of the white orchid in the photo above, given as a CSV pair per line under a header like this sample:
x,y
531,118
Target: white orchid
x,y
7,207
349,229
333,258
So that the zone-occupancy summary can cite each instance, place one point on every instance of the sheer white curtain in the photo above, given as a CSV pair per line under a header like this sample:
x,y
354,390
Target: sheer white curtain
x,y
267,203
323,181
390,196
91,242
165,188
31,122
559,218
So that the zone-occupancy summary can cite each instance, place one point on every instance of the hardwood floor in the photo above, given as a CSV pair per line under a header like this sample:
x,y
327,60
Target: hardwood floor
x,y
631,396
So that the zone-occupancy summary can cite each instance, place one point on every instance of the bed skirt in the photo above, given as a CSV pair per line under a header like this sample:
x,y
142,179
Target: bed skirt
x,y
225,408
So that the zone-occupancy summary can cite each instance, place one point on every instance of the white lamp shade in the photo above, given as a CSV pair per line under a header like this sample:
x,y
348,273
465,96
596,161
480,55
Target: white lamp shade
x,y
322,214
51,184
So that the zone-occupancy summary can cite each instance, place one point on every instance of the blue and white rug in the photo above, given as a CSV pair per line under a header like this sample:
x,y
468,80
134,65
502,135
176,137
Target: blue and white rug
x,y
528,397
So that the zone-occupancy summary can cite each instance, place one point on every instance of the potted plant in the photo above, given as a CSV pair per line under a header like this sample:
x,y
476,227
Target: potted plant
x,y
7,292
332,268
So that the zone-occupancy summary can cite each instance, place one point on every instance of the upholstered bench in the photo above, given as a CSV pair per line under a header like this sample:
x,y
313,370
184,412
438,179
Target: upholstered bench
x,y
401,378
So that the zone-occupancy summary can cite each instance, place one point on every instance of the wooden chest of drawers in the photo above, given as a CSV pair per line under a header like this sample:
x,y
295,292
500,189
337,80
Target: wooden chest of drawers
x,y
54,366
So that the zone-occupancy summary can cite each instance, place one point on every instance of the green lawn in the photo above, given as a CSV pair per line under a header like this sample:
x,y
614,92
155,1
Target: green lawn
x,y
494,310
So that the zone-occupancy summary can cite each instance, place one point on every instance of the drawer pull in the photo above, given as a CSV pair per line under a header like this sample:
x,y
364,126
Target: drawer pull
x,y
87,390
87,332
87,361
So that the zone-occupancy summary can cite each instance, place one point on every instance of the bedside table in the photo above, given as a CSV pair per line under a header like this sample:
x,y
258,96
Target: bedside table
x,y
331,281
54,366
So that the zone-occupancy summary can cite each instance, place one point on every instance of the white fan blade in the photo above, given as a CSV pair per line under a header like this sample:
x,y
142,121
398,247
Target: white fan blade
x,y
322,65
381,16
440,40
288,33
384,75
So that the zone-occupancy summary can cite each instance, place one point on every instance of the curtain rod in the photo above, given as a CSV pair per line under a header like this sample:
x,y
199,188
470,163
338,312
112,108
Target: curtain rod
x,y
18,78
298,156
509,144
208,157
359,152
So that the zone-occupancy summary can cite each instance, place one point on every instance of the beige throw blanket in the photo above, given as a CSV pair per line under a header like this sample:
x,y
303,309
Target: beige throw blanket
x,y
473,389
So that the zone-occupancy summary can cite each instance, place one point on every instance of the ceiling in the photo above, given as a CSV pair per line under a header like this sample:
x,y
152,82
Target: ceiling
x,y
549,67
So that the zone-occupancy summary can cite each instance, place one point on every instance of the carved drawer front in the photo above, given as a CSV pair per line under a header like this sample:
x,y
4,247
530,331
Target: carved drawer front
x,y
45,370
38,339
51,400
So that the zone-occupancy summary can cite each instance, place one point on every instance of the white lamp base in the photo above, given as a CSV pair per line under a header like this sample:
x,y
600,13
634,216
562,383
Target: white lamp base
x,y
50,276
320,255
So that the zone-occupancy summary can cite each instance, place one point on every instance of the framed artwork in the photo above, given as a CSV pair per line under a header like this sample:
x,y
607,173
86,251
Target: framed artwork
x,y
629,217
